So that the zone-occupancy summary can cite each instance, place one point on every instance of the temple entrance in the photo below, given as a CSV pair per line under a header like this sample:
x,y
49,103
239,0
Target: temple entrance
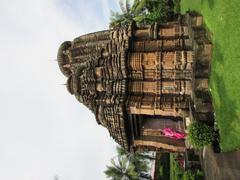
x,y
162,127
158,123
152,132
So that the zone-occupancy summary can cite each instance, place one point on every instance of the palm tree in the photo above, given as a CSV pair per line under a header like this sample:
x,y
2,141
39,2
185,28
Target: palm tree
x,y
123,170
129,13
142,155
139,159
144,12
130,165
121,19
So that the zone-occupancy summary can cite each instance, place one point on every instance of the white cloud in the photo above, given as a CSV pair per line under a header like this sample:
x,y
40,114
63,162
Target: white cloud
x,y
43,130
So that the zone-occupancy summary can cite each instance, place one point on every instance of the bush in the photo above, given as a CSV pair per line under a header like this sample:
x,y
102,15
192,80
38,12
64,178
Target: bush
x,y
200,135
189,175
193,175
177,7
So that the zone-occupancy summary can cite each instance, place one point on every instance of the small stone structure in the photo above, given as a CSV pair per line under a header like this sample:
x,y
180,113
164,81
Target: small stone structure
x,y
138,81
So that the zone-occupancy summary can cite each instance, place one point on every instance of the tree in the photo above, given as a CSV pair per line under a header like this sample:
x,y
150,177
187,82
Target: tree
x,y
144,12
158,11
137,164
123,170
124,18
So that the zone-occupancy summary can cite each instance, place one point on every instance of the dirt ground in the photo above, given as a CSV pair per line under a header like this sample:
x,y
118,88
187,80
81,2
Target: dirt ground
x,y
221,166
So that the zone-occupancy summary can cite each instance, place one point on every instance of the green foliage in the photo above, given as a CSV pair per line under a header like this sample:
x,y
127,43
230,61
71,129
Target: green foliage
x,y
124,18
189,175
138,6
155,11
193,175
200,134
121,170
129,166
177,6
199,175
178,173
144,12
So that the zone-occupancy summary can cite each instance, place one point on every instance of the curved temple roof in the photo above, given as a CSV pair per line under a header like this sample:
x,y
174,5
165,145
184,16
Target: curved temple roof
x,y
96,75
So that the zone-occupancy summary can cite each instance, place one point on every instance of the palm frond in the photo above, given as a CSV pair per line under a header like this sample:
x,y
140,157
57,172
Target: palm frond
x,y
113,172
139,18
135,4
131,171
124,162
121,151
122,6
128,6
138,6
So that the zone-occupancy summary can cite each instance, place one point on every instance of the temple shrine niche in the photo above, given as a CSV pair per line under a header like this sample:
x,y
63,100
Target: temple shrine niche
x,y
141,81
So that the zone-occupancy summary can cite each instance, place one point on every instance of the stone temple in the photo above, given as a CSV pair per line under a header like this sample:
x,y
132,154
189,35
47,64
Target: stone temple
x,y
138,81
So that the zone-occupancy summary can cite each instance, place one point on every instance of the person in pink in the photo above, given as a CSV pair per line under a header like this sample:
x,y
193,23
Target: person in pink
x,y
168,132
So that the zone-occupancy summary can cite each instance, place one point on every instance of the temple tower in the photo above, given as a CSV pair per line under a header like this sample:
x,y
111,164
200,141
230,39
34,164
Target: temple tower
x,y
139,81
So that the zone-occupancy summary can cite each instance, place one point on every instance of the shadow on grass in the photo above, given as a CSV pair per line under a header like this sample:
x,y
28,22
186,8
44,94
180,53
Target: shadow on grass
x,y
218,53
226,112
211,3
227,105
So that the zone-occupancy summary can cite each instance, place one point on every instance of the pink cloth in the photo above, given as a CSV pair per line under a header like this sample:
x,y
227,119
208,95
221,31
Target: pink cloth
x,y
172,134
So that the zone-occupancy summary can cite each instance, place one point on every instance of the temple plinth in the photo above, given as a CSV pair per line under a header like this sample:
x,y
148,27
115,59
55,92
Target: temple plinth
x,y
140,81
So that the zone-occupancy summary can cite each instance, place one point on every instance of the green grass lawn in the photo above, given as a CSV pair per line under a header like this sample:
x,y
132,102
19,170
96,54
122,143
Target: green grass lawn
x,y
222,17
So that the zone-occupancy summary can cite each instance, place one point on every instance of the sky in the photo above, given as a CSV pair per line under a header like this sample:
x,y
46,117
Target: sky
x,y
44,131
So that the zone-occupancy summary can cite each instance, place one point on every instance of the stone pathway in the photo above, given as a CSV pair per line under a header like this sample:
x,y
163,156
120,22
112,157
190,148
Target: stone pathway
x,y
222,166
